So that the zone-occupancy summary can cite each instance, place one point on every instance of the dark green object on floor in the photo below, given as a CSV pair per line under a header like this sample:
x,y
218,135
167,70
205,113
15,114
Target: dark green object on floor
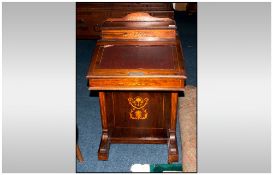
x,y
160,168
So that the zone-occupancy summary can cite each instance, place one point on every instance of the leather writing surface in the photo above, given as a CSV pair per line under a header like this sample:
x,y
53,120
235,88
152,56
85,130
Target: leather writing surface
x,y
137,57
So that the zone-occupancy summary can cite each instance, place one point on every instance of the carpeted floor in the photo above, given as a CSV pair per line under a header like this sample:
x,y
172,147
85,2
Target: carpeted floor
x,y
122,156
187,120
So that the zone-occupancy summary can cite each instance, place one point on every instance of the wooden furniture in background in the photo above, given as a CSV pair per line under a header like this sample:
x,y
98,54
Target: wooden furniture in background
x,y
191,8
90,16
138,69
79,154
180,6
78,151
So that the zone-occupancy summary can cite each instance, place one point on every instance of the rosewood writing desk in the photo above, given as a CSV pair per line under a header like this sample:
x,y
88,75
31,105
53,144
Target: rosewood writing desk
x,y
138,69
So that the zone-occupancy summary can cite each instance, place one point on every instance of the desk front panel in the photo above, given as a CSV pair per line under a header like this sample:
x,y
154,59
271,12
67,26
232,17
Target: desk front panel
x,y
138,115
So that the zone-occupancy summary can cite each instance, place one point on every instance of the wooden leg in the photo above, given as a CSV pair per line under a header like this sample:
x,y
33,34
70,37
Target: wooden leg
x,y
104,147
172,144
172,148
104,143
79,154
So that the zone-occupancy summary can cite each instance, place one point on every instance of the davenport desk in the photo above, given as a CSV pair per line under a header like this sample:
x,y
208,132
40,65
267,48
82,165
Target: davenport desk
x,y
138,69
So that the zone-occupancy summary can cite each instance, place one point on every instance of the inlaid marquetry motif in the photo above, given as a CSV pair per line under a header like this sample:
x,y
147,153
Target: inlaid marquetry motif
x,y
138,110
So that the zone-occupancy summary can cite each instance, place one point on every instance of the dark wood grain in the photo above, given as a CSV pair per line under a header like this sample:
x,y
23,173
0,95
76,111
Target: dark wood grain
x,y
124,129
90,16
172,145
137,83
104,144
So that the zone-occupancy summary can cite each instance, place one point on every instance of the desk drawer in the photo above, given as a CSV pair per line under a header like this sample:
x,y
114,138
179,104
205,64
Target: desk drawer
x,y
136,84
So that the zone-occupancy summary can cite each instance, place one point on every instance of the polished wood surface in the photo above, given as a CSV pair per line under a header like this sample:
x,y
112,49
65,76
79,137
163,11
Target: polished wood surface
x,y
136,34
90,16
138,80
150,126
159,84
104,144
139,16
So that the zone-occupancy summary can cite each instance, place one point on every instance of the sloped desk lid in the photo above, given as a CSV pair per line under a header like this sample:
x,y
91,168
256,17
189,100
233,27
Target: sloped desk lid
x,y
136,61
